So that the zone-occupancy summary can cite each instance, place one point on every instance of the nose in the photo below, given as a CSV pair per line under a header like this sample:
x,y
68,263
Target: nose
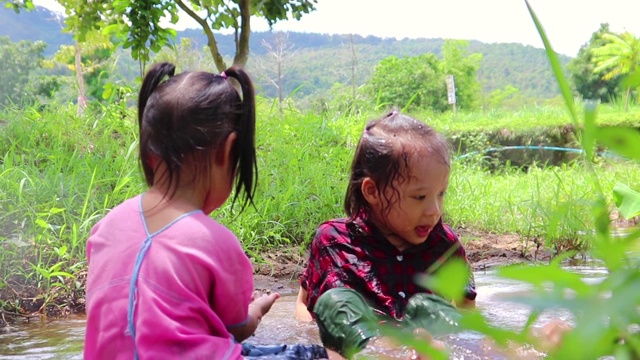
x,y
433,208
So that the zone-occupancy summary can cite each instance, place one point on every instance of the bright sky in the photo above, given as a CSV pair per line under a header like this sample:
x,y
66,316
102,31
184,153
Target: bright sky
x,y
568,23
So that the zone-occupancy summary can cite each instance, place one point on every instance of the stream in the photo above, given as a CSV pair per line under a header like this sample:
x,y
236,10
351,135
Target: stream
x,y
63,338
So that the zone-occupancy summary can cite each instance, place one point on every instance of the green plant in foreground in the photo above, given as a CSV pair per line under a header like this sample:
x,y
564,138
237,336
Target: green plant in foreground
x,y
605,315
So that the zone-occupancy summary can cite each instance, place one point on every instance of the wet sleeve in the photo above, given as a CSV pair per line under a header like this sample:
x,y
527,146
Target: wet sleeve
x,y
323,270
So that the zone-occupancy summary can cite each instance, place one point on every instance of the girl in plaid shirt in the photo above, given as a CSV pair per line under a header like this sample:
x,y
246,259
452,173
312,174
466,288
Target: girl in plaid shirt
x,y
361,268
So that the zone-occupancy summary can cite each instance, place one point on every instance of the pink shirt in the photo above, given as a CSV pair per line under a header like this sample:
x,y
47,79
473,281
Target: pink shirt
x,y
195,282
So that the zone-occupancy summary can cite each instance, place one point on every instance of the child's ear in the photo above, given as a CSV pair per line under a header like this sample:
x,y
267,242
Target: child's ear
x,y
370,191
224,155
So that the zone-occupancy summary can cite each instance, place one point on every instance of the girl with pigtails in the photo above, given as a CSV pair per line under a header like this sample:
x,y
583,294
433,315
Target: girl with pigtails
x,y
166,280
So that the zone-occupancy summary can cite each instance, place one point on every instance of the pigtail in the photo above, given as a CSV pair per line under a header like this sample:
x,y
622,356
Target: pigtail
x,y
154,77
244,148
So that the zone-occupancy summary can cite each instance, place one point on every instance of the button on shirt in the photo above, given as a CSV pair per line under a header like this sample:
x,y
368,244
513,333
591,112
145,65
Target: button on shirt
x,y
355,254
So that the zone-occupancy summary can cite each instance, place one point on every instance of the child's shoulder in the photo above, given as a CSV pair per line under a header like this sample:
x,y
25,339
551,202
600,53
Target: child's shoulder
x,y
333,231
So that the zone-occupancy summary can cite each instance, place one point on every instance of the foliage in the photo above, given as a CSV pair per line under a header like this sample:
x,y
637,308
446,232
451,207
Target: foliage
x,y
412,81
96,56
19,60
587,83
139,24
419,81
619,56
464,68
186,56
509,97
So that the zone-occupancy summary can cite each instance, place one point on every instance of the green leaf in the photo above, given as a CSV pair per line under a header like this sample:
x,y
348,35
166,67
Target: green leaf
x,y
590,130
558,70
449,281
43,224
420,345
540,275
622,140
627,200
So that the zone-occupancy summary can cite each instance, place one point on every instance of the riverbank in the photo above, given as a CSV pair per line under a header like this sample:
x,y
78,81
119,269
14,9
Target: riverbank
x,y
278,270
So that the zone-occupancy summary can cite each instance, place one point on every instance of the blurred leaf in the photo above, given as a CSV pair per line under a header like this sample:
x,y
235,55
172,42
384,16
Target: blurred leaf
x,y
589,132
622,140
540,275
627,200
558,70
419,344
633,79
449,281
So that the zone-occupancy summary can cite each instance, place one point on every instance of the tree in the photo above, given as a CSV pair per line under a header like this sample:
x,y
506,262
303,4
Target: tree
x,y
463,67
410,81
618,57
419,81
587,83
137,22
18,62
84,25
279,51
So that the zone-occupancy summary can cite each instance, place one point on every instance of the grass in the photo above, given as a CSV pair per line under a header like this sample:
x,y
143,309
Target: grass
x,y
550,204
523,120
60,172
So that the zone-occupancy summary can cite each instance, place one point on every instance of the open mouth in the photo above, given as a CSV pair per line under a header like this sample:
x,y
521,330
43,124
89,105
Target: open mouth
x,y
423,231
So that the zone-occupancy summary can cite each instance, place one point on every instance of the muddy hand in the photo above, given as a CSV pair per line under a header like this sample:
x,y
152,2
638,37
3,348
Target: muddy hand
x,y
262,302
552,333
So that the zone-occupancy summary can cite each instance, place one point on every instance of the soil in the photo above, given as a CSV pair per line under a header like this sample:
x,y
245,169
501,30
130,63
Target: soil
x,y
278,271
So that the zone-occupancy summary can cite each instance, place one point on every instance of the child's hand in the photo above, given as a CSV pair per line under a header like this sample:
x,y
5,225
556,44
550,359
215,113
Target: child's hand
x,y
551,334
261,303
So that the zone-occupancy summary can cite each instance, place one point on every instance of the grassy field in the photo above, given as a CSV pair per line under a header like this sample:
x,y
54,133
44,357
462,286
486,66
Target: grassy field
x,y
61,172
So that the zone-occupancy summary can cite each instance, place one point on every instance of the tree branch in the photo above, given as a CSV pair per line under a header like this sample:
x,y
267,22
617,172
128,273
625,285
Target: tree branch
x,y
212,44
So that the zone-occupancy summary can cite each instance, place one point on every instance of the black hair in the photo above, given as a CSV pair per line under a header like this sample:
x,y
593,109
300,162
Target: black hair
x,y
188,116
383,154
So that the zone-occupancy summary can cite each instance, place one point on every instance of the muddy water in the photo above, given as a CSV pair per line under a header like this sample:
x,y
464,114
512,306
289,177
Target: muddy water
x,y
62,339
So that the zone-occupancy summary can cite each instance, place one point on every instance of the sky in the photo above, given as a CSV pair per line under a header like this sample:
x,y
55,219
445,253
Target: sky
x,y
568,23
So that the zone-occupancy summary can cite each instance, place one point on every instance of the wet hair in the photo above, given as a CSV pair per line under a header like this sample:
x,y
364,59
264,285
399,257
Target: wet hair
x,y
185,118
384,153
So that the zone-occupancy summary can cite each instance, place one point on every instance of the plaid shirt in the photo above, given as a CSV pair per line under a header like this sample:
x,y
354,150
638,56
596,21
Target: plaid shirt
x,y
354,254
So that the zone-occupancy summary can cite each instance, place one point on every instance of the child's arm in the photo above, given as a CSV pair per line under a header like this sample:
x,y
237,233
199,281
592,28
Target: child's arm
x,y
465,304
301,305
468,304
257,309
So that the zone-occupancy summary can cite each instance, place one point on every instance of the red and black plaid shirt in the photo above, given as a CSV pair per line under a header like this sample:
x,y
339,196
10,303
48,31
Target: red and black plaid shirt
x,y
355,254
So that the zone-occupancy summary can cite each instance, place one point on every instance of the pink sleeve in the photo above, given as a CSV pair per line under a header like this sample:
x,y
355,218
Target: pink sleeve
x,y
234,285
94,229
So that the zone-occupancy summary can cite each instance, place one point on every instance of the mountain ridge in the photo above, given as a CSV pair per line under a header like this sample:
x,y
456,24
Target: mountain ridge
x,y
521,66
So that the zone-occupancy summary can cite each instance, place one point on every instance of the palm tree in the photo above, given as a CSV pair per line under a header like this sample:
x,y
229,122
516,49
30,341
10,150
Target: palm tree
x,y
619,56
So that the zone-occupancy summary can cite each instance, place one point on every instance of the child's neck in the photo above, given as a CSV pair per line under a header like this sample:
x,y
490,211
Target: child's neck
x,y
160,209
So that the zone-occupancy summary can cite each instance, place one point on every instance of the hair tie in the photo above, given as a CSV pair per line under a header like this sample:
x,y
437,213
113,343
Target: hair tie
x,y
223,75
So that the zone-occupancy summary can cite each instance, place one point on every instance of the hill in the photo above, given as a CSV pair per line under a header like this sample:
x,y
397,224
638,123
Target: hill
x,y
315,62
39,24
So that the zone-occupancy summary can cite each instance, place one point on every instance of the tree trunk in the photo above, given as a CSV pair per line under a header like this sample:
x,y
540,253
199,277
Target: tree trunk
x,y
242,47
354,63
626,99
280,97
82,93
